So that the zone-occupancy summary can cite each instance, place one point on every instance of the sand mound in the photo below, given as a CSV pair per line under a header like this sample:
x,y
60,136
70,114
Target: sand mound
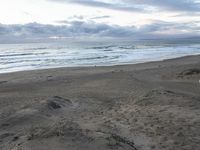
x,y
58,102
189,72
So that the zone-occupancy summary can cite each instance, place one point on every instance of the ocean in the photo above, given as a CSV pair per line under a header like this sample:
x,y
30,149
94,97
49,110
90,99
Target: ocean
x,y
31,56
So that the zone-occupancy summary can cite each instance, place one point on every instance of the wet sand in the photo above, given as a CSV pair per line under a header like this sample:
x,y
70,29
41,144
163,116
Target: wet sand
x,y
149,106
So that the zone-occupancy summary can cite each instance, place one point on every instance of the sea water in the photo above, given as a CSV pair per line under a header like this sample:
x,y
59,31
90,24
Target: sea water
x,y
31,56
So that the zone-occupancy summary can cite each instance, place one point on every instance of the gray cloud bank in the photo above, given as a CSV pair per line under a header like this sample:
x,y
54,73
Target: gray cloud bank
x,y
77,29
140,5
101,4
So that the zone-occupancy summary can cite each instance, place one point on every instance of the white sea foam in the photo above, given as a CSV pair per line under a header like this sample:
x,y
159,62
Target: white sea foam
x,y
18,57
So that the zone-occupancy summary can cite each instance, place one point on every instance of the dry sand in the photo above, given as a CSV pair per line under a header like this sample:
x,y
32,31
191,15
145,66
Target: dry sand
x,y
150,106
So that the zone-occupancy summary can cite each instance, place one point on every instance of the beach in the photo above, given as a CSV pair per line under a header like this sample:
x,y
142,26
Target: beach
x,y
146,106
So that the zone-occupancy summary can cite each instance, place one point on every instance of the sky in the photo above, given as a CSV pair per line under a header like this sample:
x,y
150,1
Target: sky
x,y
134,19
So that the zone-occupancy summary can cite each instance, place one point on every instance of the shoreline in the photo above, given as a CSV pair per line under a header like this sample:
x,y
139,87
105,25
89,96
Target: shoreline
x,y
146,106
102,66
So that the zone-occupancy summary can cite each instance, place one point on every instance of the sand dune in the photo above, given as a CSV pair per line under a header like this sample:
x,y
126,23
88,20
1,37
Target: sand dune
x,y
150,106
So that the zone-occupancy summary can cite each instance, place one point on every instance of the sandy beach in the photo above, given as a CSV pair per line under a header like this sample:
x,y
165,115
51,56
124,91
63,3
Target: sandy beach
x,y
149,106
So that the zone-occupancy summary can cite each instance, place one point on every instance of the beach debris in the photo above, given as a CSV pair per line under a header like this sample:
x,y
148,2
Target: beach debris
x,y
119,139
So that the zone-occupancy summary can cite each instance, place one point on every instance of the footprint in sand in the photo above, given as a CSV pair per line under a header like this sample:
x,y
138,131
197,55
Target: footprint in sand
x,y
1,82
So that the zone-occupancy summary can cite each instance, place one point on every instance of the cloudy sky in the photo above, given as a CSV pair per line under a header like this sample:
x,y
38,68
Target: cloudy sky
x,y
138,19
